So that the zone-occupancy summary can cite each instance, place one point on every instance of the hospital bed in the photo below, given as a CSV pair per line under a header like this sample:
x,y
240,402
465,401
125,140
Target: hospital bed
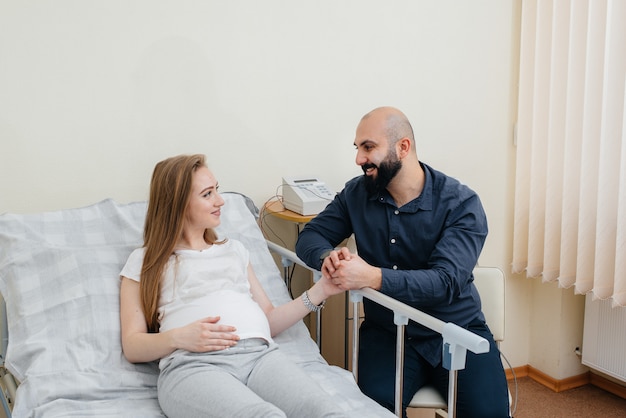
x,y
59,278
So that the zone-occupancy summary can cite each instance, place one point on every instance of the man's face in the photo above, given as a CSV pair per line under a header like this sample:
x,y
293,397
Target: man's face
x,y
376,156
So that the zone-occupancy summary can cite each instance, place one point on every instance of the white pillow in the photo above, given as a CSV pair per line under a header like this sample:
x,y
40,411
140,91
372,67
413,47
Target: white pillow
x,y
59,276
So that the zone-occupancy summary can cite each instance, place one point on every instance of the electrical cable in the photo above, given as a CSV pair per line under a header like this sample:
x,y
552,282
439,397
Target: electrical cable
x,y
264,214
513,409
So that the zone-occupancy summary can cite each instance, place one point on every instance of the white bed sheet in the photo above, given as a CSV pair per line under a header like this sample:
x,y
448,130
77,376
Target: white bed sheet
x,y
59,277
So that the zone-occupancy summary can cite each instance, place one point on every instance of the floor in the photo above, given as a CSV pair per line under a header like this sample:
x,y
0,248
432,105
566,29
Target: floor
x,y
536,401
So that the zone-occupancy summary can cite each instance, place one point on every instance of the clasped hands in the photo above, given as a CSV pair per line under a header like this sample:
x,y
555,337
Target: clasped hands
x,y
348,271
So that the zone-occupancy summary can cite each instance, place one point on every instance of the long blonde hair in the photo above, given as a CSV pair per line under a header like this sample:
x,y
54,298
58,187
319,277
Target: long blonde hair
x,y
170,189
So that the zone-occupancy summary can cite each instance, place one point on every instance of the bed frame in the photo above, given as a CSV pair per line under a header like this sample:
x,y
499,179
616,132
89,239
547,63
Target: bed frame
x,y
456,340
59,276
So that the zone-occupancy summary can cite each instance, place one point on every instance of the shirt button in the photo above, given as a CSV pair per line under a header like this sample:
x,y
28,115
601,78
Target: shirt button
x,y
396,211
381,199
393,240
395,267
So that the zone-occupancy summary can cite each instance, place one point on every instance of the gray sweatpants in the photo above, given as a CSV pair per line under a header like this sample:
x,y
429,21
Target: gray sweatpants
x,y
251,379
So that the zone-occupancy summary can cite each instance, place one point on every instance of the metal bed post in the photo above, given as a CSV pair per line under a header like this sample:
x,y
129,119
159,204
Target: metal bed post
x,y
401,322
318,315
356,298
456,342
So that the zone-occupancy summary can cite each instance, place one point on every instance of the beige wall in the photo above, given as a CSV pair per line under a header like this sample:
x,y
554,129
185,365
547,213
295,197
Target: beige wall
x,y
93,94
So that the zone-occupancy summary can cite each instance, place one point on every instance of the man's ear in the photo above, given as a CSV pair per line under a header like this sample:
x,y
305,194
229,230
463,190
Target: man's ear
x,y
403,147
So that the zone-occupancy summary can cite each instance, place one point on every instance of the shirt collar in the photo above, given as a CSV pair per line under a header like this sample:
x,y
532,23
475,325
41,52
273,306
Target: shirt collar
x,y
423,202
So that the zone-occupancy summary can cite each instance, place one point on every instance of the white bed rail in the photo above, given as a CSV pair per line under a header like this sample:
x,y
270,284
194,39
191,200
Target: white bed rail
x,y
288,258
456,340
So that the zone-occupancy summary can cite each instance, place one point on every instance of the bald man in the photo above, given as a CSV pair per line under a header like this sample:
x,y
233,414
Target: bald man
x,y
418,233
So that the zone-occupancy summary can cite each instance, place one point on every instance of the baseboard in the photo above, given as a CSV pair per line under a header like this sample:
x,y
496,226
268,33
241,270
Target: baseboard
x,y
521,371
559,385
608,385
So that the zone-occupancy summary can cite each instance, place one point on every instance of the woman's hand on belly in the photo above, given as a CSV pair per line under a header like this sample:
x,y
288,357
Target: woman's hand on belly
x,y
204,335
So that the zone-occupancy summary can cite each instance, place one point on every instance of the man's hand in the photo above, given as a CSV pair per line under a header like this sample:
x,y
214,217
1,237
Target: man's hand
x,y
349,271
333,261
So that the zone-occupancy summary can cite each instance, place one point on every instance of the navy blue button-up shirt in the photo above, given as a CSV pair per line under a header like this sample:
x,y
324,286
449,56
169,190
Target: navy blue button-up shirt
x,y
426,250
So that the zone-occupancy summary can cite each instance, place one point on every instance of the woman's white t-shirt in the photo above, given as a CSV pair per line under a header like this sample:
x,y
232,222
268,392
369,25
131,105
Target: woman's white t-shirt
x,y
199,284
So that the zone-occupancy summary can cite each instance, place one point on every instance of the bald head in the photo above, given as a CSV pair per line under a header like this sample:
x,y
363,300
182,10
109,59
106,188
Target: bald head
x,y
393,122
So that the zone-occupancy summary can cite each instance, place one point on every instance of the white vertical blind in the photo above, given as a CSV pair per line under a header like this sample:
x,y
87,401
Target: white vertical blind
x,y
570,197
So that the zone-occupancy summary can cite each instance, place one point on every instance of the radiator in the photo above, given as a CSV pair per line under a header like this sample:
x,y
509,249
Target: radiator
x,y
604,338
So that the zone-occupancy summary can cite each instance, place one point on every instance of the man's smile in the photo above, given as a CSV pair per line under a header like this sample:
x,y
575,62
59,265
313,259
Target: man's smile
x,y
368,169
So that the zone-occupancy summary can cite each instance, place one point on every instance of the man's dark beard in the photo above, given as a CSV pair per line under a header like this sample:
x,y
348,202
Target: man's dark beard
x,y
387,170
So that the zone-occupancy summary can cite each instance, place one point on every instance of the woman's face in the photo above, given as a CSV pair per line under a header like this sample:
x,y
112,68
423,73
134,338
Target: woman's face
x,y
204,202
